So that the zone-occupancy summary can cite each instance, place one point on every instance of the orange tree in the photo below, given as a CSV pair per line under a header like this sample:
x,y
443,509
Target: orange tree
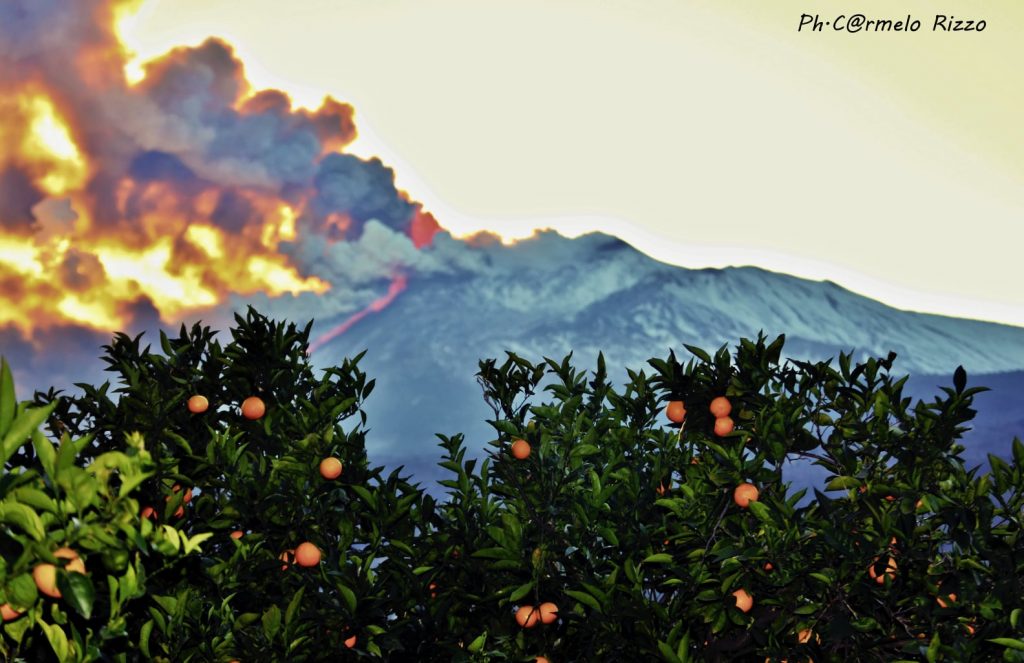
x,y
242,464
611,530
75,554
634,528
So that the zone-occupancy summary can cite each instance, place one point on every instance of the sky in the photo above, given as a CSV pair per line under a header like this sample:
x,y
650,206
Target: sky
x,y
703,133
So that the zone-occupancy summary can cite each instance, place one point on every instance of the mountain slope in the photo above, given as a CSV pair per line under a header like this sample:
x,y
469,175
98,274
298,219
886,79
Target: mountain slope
x,y
551,295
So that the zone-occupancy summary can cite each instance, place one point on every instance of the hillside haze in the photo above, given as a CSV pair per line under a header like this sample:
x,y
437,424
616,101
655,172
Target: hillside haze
x,y
550,295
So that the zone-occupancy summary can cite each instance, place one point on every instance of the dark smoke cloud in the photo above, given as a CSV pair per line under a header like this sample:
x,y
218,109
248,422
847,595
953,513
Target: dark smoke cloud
x,y
191,128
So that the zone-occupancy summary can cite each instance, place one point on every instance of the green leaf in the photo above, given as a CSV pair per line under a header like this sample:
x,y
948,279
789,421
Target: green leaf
x,y
46,453
77,591
585,599
762,512
667,653
24,518
521,591
293,606
478,643
658,558
271,622
35,498
7,398
191,545
1012,643
21,429
21,591
144,633
843,483
58,640
349,596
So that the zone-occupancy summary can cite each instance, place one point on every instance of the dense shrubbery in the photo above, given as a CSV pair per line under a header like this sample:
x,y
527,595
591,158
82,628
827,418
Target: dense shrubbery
x,y
623,520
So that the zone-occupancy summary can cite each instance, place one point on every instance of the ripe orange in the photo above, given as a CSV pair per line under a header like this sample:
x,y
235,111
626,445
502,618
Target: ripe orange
x,y
724,426
350,642
75,562
720,407
148,512
541,659
943,604
521,449
432,587
890,571
253,407
970,629
179,512
237,534
307,554
744,601
8,613
288,556
198,404
661,489
45,576
527,616
805,635
676,412
890,498
744,494
330,468
548,612
768,566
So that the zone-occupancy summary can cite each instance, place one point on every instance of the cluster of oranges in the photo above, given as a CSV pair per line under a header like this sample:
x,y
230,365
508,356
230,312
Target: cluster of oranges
x,y
252,408
527,616
720,409
45,577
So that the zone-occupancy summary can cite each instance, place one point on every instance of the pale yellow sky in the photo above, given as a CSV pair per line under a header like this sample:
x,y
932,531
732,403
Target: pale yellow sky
x,y
704,133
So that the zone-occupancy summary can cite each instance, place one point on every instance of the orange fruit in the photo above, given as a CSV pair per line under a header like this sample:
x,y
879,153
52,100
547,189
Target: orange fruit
x,y
661,489
943,604
330,468
676,412
541,659
527,616
805,635
253,407
432,586
197,404
548,612
724,426
8,613
720,407
744,494
890,571
521,449
307,554
768,566
237,534
179,512
969,628
148,512
890,498
744,601
350,642
918,504
45,576
288,556
75,562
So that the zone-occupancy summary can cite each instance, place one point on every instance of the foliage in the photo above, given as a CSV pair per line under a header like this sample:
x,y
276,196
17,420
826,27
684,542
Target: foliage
x,y
625,521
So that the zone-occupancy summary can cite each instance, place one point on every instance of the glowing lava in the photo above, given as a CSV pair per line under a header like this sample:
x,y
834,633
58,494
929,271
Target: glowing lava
x,y
396,287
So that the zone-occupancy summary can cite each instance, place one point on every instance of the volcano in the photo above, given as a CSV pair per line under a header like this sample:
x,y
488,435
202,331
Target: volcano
x,y
550,295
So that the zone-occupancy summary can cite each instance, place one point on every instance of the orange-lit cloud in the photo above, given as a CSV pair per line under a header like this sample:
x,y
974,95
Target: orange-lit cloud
x,y
167,194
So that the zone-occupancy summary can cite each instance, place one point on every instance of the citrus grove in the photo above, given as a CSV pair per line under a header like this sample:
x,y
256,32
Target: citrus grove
x,y
218,504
